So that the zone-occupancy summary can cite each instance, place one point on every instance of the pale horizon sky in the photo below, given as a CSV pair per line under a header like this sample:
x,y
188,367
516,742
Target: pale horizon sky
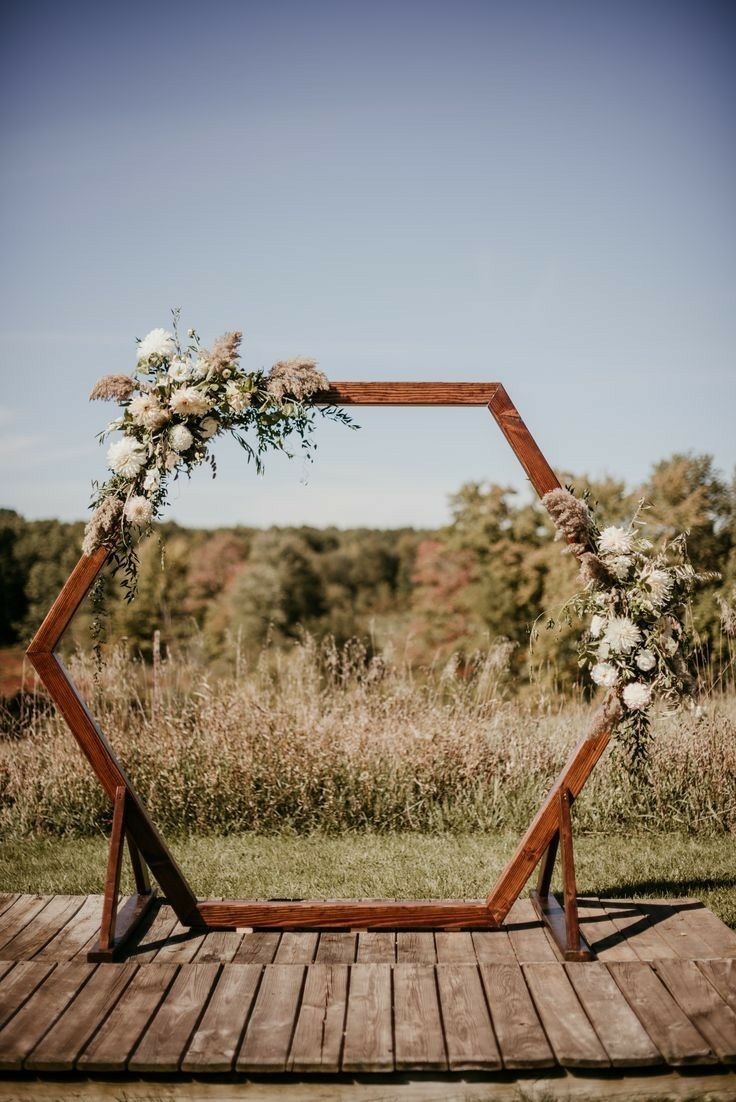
x,y
532,193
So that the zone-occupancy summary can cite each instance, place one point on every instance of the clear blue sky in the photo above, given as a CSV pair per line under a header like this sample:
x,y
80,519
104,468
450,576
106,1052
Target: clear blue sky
x,y
532,192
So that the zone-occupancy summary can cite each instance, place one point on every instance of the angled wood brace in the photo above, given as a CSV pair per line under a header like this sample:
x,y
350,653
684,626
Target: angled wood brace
x,y
550,827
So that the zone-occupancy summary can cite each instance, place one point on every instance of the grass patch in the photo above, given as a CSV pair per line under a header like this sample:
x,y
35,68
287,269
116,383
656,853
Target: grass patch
x,y
391,866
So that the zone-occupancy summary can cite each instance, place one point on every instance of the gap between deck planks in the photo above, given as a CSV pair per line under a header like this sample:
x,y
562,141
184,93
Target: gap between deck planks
x,y
366,1001
208,1018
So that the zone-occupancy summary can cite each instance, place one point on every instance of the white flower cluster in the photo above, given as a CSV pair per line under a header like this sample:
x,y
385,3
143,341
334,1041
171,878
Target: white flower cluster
x,y
636,635
176,402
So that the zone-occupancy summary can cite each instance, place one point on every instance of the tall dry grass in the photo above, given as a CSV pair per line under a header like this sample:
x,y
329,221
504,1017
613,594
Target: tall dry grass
x,y
326,740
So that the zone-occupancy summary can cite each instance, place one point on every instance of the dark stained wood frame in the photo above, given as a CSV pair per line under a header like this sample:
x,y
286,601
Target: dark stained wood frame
x,y
550,826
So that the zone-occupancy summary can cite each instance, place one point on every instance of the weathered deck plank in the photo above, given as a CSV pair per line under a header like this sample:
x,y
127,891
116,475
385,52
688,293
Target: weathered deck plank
x,y
214,1046
306,1002
573,1039
38,1013
471,1044
59,1049
619,1030
702,1004
164,1042
669,1027
110,1048
268,1036
317,1043
418,1034
368,1034
520,1035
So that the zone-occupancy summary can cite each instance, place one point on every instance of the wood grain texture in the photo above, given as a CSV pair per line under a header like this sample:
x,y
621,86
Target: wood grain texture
x,y
415,947
19,916
257,947
110,1048
669,1027
163,1044
372,915
543,827
606,941
722,975
336,948
213,1048
689,939
76,932
376,947
317,1042
38,1013
621,1033
642,935
59,1048
368,1035
527,934
521,1038
705,1008
18,986
271,1026
346,393
471,1043
573,1039
418,1030
523,445
44,925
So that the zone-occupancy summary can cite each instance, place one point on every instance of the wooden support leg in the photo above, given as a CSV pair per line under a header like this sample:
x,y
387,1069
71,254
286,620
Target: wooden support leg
x,y
116,929
562,922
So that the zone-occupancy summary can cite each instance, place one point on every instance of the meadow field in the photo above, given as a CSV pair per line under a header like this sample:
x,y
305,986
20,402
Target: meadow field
x,y
322,771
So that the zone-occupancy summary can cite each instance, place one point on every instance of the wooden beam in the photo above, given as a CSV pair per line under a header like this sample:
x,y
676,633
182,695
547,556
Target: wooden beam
x,y
544,826
523,444
406,394
373,914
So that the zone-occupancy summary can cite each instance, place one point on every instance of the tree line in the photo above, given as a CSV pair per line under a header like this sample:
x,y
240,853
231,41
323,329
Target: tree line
x,y
495,572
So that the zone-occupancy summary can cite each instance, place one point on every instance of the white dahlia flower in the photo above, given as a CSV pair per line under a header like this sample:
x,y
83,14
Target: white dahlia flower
x,y
622,634
603,673
179,371
145,410
187,401
660,583
620,565
181,438
237,399
615,541
637,696
126,457
138,510
645,660
159,344
152,481
208,427
597,625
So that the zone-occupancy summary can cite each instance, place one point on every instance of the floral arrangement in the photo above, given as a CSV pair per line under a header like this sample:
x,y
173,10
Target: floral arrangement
x,y
637,645
178,400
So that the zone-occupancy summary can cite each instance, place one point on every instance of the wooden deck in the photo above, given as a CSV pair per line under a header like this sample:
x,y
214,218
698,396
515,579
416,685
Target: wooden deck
x,y
662,992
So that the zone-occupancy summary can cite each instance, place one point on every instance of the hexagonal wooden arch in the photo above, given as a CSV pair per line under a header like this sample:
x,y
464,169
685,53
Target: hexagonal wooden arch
x,y
549,829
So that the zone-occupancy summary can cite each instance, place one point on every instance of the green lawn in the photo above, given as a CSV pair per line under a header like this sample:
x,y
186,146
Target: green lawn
x,y
390,866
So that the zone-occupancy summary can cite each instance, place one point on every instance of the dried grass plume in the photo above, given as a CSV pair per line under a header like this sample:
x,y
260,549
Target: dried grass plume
x,y
225,352
102,524
296,378
112,388
571,517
